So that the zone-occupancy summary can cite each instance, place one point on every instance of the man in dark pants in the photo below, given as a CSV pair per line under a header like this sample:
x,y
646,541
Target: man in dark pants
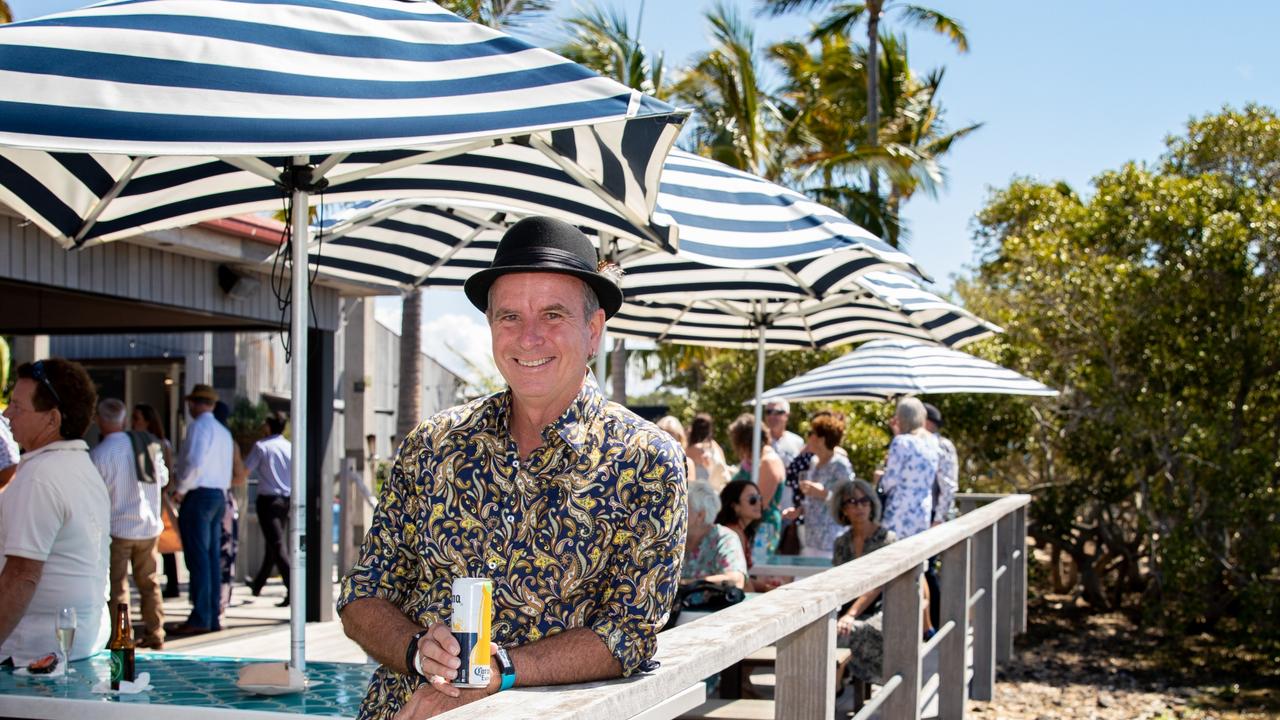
x,y
204,469
270,461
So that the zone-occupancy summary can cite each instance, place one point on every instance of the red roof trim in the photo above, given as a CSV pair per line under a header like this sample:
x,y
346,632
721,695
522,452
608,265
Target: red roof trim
x,y
251,227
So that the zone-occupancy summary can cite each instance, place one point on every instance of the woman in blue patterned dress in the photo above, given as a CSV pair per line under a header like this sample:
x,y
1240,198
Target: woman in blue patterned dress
x,y
909,475
828,469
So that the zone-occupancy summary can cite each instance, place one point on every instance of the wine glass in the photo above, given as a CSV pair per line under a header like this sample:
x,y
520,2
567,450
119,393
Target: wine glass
x,y
65,628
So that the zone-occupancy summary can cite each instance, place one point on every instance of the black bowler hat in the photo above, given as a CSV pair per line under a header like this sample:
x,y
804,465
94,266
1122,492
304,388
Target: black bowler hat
x,y
543,244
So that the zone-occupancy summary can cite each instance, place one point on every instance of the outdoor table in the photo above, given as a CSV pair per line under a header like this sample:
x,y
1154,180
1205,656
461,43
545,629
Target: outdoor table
x,y
190,686
790,565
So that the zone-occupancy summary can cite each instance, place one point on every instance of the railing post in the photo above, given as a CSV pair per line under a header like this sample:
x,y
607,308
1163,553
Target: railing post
x,y
903,628
984,615
955,608
1004,589
1020,571
806,688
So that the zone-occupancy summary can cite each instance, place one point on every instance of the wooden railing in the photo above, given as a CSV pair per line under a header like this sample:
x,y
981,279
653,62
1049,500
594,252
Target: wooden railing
x,y
983,592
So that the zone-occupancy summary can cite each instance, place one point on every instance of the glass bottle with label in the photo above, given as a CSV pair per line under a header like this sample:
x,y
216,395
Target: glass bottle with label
x,y
121,647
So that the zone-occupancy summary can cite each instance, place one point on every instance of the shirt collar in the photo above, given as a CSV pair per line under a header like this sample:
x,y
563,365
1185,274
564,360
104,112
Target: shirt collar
x,y
56,446
574,424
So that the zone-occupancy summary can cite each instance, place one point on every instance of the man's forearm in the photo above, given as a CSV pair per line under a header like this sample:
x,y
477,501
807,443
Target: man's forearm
x,y
19,579
573,656
381,629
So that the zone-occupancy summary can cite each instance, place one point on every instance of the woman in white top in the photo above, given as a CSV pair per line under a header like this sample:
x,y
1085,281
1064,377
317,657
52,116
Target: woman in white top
x,y
55,518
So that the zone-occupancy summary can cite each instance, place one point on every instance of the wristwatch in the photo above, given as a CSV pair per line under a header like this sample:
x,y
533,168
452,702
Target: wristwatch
x,y
505,668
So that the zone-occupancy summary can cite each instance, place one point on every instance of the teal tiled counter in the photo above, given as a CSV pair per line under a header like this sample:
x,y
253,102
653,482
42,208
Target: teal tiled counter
x,y
203,687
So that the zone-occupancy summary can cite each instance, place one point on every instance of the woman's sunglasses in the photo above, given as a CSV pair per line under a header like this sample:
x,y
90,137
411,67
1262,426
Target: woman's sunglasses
x,y
753,500
38,374
857,501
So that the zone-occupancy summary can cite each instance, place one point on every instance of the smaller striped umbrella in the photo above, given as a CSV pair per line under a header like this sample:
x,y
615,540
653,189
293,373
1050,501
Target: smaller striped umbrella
x,y
890,368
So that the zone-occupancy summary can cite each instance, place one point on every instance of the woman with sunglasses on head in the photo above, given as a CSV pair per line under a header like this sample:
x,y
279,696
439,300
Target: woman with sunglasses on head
x,y
55,517
860,624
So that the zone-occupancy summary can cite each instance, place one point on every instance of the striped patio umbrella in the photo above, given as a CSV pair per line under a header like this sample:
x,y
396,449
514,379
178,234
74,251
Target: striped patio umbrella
x,y
144,114
885,369
823,302
726,218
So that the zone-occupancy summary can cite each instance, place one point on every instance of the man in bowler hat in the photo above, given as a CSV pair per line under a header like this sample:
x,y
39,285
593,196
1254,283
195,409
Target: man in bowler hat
x,y
572,506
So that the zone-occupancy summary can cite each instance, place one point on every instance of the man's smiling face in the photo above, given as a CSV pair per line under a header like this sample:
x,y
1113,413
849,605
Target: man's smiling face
x,y
542,338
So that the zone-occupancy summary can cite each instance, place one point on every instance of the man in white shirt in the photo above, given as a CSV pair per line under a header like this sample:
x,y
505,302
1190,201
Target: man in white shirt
x,y
8,453
786,443
134,486
270,461
947,481
54,518
203,477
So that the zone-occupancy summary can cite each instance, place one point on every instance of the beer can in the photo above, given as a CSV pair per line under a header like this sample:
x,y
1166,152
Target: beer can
x,y
471,625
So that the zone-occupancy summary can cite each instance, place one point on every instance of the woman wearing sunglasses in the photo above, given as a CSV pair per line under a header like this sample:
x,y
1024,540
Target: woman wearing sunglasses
x,y
860,626
740,511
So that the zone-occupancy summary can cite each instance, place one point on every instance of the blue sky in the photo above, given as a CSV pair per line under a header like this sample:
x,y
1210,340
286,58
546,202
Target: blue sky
x,y
1065,90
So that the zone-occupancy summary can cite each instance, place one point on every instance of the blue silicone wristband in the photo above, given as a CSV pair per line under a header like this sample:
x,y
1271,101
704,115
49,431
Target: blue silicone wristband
x,y
508,682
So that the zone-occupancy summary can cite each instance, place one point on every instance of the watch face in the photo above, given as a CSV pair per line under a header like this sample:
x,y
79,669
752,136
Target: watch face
x,y
504,662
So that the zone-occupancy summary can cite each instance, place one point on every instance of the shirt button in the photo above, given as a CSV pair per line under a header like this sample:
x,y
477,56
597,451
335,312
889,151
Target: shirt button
x,y
493,564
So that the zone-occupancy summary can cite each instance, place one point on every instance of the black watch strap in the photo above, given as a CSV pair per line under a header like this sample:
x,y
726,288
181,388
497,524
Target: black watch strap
x,y
411,655
505,668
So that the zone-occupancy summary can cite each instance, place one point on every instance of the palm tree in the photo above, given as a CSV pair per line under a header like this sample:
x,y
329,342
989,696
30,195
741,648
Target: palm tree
x,y
845,16
735,120
602,39
824,95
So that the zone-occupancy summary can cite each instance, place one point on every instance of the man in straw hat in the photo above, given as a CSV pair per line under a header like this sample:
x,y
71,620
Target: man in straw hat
x,y
203,469
572,506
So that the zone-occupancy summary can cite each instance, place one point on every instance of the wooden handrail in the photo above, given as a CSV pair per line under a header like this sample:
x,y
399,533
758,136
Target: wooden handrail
x,y
799,614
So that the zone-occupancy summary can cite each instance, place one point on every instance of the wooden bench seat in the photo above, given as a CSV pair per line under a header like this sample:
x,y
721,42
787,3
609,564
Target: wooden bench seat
x,y
732,710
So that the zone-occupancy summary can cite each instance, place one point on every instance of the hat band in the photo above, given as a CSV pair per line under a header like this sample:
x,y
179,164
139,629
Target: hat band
x,y
537,256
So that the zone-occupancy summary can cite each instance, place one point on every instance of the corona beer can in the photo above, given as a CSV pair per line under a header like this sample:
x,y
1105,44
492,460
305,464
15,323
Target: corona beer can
x,y
471,625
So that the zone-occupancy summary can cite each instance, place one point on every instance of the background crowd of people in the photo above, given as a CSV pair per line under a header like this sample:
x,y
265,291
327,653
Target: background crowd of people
x,y
807,500
76,523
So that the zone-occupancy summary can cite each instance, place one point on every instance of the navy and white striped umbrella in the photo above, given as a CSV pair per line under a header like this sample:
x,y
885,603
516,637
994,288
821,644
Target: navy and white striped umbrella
x,y
728,220
890,368
817,303
145,114
138,115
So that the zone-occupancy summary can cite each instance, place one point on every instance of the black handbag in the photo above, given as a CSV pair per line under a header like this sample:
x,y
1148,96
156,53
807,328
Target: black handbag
x,y
703,596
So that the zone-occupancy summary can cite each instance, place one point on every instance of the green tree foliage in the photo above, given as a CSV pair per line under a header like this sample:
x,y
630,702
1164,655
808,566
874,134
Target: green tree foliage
x,y
1154,305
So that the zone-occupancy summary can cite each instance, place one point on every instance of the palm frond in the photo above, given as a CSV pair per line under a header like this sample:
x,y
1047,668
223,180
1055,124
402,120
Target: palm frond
x,y
943,25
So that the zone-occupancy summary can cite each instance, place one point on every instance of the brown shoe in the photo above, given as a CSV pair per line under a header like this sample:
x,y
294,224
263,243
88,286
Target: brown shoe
x,y
151,644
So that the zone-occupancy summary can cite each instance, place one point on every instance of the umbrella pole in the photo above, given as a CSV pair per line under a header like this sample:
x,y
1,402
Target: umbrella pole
x,y
301,233
759,414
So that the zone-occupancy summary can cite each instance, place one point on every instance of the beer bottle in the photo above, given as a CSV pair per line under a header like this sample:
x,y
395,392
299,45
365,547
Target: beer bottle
x,y
121,647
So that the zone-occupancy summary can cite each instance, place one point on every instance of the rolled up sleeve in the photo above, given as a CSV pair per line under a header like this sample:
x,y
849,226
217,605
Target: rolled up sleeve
x,y
645,566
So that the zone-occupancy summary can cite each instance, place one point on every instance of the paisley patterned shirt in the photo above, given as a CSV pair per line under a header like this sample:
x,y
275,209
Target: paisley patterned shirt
x,y
907,482
588,531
